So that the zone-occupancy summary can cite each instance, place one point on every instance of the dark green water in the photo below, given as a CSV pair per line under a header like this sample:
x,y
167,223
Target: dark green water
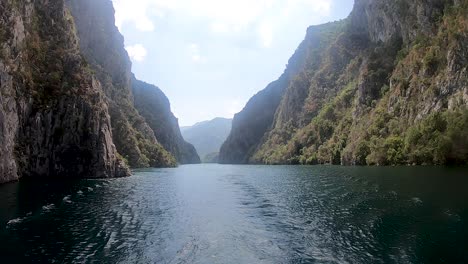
x,y
241,214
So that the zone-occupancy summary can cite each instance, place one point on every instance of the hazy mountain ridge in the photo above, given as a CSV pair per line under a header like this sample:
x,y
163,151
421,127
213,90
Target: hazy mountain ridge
x,y
208,136
389,86
66,105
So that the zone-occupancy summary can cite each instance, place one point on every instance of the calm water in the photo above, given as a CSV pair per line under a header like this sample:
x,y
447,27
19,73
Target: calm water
x,y
241,214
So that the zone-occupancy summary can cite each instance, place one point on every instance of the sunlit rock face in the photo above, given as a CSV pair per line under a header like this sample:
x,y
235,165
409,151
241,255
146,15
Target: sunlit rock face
x,y
103,47
387,85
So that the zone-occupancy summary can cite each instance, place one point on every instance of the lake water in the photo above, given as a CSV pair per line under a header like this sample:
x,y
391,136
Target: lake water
x,y
241,214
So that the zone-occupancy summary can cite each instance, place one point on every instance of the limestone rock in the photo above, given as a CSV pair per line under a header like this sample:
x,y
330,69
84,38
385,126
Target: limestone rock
x,y
386,86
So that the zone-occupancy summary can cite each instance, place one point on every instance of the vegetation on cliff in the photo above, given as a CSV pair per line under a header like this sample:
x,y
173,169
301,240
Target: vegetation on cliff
x,y
250,125
154,106
103,47
388,87
66,104
53,115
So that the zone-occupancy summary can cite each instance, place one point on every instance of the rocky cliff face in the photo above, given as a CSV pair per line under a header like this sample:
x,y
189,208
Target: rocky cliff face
x,y
154,106
103,47
66,104
54,119
388,85
250,125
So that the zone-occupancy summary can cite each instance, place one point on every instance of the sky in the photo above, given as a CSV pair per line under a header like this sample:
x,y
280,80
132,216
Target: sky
x,y
211,56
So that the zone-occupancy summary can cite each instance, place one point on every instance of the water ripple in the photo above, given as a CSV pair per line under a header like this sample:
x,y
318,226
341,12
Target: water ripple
x,y
240,214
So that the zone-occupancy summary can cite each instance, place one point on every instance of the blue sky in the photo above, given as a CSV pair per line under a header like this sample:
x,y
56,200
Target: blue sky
x,y
210,56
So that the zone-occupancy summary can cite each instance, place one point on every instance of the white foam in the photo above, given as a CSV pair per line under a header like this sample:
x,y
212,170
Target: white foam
x,y
48,207
90,189
452,215
416,200
66,199
16,221
79,192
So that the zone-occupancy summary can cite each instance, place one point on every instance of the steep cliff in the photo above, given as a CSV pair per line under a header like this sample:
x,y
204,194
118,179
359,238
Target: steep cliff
x,y
66,104
250,125
54,119
387,87
154,106
103,47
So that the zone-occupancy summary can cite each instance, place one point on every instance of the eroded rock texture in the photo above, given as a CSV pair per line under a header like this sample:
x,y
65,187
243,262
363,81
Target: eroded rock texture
x,y
387,85
66,105
154,106
54,116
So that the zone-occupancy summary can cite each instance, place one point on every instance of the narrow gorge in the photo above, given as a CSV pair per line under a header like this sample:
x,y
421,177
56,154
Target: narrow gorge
x,y
377,102
67,105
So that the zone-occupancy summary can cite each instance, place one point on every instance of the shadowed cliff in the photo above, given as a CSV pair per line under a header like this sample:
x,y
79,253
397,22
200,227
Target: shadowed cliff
x,y
66,104
154,106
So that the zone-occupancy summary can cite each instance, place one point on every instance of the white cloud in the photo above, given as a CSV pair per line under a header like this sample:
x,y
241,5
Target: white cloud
x,y
318,5
265,31
137,52
134,11
230,13
224,16
218,27
235,107
194,51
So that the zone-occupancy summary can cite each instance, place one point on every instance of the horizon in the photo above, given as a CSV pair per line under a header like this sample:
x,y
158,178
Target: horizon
x,y
205,121
225,51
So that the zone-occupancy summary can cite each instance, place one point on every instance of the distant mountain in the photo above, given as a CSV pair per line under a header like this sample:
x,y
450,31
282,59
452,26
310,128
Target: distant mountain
x,y
207,136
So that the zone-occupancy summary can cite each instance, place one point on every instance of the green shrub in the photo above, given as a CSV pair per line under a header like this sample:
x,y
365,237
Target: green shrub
x,y
389,151
441,138
401,55
432,60
363,150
